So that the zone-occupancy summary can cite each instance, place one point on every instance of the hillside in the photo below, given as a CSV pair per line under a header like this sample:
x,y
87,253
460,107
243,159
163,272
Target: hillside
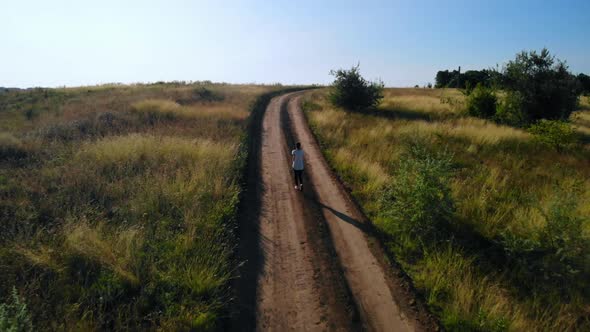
x,y
117,203
489,223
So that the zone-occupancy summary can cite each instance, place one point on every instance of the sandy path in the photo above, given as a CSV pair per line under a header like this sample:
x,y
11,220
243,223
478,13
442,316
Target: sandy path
x,y
289,290
291,282
365,275
298,275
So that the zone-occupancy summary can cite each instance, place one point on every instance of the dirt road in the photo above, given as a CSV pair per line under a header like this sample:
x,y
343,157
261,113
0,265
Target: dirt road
x,y
309,265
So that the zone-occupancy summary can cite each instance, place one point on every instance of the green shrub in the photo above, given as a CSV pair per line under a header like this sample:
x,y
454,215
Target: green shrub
x,y
419,200
564,230
554,259
547,88
14,317
584,81
352,92
554,133
509,110
481,102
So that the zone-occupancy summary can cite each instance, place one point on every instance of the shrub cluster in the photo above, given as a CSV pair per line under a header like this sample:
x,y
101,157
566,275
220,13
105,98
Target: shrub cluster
x,y
584,81
481,102
554,259
537,86
554,133
352,92
544,86
419,201
471,78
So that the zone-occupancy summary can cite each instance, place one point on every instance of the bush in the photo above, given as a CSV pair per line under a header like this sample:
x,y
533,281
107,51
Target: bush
x,y
510,112
565,228
546,87
351,91
554,133
14,317
481,102
584,81
555,259
419,199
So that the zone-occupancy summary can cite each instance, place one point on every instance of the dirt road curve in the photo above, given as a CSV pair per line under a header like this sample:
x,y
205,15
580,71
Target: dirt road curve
x,y
302,275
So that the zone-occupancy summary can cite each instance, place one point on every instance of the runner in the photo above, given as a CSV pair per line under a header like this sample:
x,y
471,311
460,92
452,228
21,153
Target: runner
x,y
298,166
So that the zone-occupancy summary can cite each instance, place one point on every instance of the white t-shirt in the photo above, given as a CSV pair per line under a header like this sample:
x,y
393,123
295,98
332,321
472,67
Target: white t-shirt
x,y
298,160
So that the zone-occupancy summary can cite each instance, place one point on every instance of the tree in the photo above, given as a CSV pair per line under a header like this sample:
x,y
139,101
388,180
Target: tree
x,y
481,102
472,78
467,80
555,134
544,86
442,79
584,81
351,91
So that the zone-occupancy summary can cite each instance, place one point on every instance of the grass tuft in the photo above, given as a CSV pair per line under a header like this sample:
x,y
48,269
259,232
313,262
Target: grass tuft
x,y
11,148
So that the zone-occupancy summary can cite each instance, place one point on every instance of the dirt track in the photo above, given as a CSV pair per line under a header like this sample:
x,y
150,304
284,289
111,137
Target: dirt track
x,y
309,264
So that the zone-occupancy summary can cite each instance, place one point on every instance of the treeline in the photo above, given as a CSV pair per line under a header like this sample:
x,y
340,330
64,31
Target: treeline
x,y
488,78
470,78
584,81
538,93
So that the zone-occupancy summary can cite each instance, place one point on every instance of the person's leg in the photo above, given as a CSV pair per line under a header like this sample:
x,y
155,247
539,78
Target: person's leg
x,y
300,177
296,178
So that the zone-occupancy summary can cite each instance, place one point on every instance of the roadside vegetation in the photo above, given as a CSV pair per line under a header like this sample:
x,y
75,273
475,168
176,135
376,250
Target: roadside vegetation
x,y
117,205
352,92
489,220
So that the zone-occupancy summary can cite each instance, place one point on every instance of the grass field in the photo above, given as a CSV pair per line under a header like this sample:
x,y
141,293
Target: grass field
x,y
499,233
117,204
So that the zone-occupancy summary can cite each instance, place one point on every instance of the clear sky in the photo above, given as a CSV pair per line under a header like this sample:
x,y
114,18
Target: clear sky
x,y
59,42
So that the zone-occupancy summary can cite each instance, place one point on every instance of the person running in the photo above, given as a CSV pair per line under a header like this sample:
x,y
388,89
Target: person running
x,y
298,166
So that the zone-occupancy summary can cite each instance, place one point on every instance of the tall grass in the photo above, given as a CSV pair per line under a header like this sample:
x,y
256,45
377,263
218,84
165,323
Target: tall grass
x,y
117,204
493,263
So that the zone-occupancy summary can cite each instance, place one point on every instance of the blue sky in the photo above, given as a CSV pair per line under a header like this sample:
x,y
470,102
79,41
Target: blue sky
x,y
56,43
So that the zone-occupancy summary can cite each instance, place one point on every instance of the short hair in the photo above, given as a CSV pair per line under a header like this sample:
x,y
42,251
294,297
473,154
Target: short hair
x,y
298,145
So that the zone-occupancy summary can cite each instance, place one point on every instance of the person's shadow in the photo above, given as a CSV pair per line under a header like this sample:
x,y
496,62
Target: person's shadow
x,y
344,217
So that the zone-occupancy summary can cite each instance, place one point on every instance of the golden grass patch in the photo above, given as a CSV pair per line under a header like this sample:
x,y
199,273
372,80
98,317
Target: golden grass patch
x,y
148,149
169,110
417,103
116,251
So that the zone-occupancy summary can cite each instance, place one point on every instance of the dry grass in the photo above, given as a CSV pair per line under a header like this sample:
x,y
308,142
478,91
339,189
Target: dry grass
x,y
116,251
504,184
117,203
140,151
170,110
581,119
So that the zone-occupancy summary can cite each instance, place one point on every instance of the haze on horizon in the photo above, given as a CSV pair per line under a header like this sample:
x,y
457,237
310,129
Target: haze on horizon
x,y
403,43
